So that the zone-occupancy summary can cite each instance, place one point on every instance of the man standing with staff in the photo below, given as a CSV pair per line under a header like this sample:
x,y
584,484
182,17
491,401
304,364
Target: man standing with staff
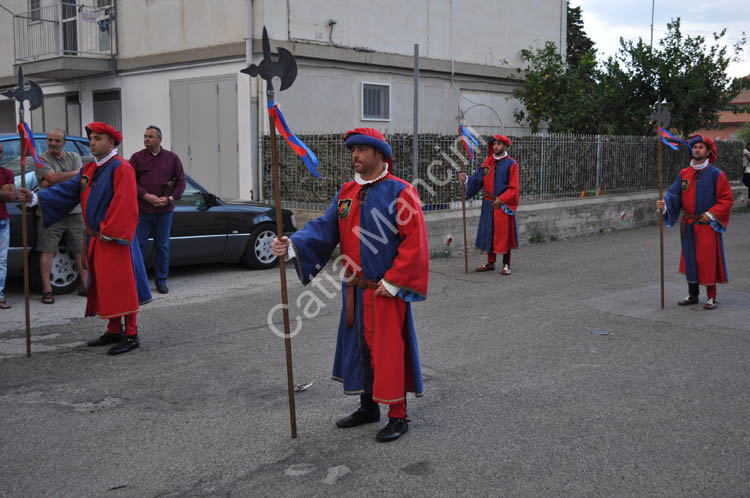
x,y
106,190
702,191
377,220
498,176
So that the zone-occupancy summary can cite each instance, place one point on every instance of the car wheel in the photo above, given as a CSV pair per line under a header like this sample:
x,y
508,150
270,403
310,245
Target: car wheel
x,y
65,275
258,253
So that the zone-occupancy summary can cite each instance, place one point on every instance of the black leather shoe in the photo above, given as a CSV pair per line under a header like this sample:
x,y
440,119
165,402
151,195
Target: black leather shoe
x,y
393,431
126,344
105,339
163,289
358,418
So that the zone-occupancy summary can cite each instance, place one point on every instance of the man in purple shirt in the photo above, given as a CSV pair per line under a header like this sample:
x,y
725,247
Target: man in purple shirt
x,y
161,181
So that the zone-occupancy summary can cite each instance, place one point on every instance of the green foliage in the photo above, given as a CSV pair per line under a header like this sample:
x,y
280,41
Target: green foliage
x,y
617,96
537,238
445,253
578,44
743,134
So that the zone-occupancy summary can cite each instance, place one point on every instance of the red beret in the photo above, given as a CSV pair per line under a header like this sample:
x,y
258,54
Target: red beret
x,y
104,129
501,139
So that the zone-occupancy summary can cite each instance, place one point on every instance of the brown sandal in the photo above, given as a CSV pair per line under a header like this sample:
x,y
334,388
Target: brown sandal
x,y
48,298
4,305
485,267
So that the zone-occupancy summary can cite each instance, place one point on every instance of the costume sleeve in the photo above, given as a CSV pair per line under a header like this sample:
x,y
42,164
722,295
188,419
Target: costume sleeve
x,y
122,215
411,268
314,244
58,200
509,198
179,175
724,203
474,183
673,202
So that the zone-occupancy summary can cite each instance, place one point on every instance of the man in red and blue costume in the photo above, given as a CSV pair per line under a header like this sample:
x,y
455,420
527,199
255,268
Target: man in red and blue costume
x,y
702,193
498,177
106,190
377,221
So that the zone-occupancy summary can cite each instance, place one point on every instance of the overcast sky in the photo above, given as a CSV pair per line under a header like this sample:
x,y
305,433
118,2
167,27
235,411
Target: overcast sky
x,y
605,21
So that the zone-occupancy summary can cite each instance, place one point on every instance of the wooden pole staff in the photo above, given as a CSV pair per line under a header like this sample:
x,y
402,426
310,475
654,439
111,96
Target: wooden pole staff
x,y
35,97
282,272
661,226
25,240
463,212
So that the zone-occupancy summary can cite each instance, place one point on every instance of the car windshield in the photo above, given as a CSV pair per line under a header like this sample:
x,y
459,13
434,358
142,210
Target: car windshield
x,y
12,151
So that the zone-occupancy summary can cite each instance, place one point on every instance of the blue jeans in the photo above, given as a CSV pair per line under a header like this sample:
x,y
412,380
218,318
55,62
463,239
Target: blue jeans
x,y
4,243
160,224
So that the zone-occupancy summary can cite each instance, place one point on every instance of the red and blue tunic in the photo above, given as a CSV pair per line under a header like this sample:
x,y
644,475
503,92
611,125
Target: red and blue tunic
x,y
498,230
382,235
696,192
108,198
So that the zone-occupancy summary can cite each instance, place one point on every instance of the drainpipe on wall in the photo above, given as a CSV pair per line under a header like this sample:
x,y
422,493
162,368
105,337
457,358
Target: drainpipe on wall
x,y
255,157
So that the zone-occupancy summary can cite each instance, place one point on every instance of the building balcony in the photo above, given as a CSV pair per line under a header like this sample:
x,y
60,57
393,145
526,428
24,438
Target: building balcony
x,y
66,39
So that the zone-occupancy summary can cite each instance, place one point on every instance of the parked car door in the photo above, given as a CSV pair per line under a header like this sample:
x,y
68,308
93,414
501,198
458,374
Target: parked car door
x,y
199,227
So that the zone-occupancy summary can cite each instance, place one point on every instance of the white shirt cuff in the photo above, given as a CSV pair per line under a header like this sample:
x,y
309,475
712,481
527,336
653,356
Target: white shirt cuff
x,y
392,289
290,254
34,200
710,215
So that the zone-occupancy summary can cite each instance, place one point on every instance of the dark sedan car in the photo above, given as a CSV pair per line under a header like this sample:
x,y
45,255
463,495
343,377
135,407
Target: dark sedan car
x,y
205,229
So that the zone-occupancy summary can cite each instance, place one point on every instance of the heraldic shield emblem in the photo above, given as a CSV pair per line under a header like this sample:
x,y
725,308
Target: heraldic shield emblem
x,y
485,170
344,206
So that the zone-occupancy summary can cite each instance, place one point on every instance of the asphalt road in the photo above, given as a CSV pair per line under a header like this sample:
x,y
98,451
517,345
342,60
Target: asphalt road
x,y
564,379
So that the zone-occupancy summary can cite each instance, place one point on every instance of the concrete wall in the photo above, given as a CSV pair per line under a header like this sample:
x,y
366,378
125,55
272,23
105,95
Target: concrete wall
x,y
488,32
145,100
553,220
560,219
337,104
6,35
485,32
158,26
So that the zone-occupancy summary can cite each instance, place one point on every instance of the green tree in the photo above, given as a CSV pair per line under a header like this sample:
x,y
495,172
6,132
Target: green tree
x,y
743,134
617,96
557,94
578,44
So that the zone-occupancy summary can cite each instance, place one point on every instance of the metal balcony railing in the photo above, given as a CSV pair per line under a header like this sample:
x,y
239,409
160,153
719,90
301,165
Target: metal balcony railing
x,y
65,28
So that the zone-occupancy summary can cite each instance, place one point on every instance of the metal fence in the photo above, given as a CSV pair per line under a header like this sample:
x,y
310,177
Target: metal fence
x,y
551,167
64,28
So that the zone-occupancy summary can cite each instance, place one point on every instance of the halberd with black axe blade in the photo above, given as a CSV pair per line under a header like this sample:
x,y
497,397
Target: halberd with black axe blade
x,y
285,68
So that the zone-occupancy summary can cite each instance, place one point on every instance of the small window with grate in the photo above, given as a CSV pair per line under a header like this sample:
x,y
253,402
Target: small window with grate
x,y
35,10
376,102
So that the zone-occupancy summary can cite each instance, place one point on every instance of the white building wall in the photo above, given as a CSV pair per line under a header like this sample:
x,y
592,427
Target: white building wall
x,y
327,98
145,101
491,32
153,27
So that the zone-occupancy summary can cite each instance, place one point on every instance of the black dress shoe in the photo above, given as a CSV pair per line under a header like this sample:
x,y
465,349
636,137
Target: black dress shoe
x,y
126,344
105,339
162,288
393,431
358,418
